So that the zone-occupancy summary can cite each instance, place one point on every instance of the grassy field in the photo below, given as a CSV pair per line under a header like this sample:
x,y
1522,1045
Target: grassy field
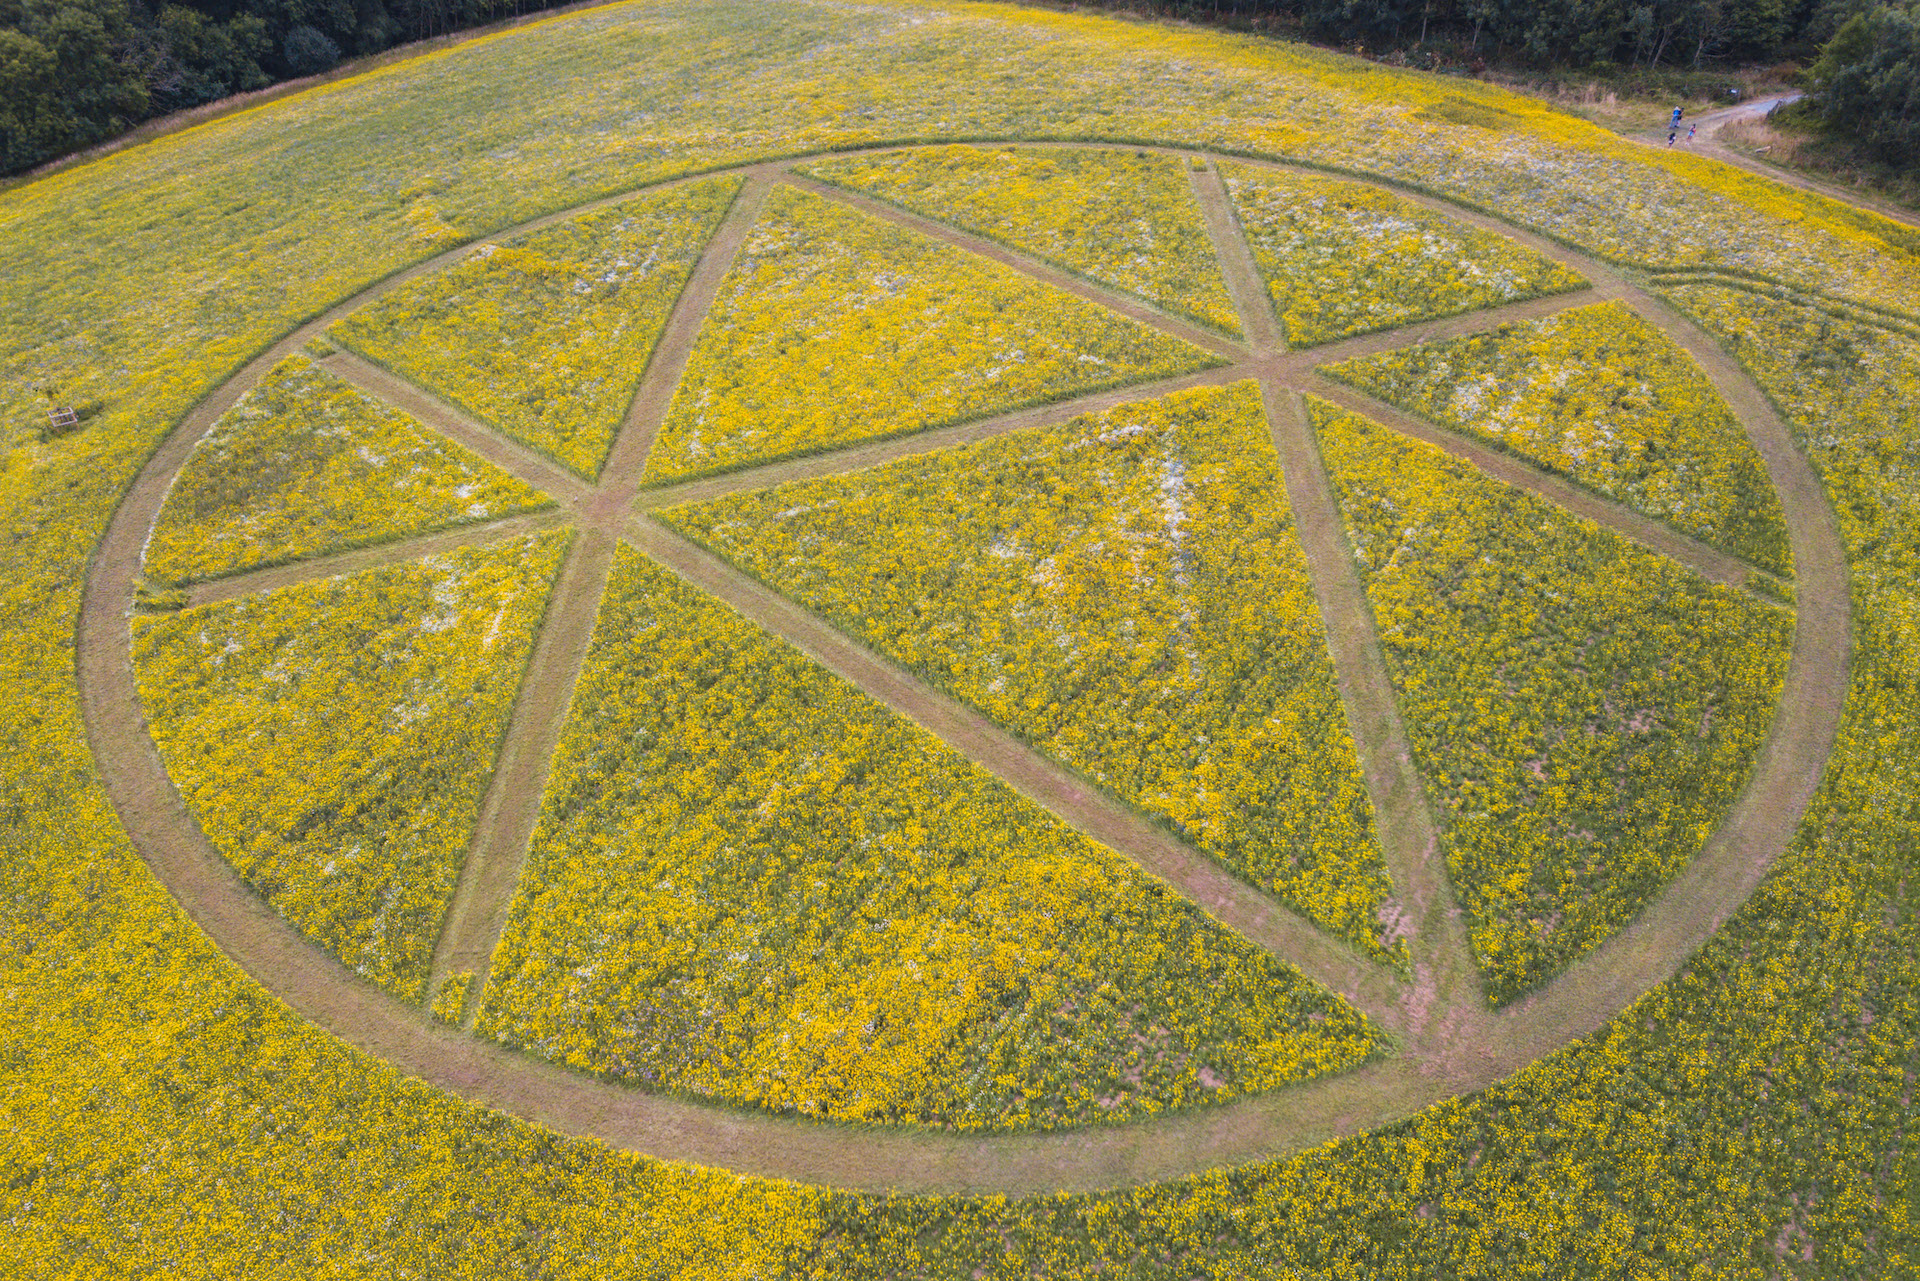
x,y
546,337
166,1115
1125,591
334,737
1600,395
822,911
835,328
1797,145
1124,219
1580,708
305,465
1342,259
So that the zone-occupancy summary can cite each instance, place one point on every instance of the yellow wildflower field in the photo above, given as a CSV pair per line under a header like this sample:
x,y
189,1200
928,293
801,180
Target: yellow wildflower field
x,y
1849,384
1779,1058
1124,218
752,883
547,336
1126,592
1583,711
834,327
1599,395
305,464
333,738
1345,258
167,1114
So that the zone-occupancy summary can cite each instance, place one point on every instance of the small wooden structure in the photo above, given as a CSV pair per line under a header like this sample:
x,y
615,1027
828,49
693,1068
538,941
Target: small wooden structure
x,y
63,419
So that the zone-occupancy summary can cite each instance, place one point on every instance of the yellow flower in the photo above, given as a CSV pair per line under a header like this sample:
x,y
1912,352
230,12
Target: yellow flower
x,y
752,883
1583,711
834,327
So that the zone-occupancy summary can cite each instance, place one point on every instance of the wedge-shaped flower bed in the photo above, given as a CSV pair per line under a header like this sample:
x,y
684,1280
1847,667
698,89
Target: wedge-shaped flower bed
x,y
547,337
1583,711
1124,218
752,883
836,327
334,738
1125,591
1344,258
1849,387
305,464
1601,396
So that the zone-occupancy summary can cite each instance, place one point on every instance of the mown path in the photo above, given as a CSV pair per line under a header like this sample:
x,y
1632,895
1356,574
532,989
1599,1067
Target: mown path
x,y
1447,1040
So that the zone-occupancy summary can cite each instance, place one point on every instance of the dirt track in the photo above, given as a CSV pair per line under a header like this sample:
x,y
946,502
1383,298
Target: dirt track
x,y
1707,143
1449,1042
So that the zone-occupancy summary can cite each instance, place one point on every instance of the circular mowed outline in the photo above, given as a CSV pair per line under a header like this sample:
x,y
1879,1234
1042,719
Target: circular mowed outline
x,y
1447,1040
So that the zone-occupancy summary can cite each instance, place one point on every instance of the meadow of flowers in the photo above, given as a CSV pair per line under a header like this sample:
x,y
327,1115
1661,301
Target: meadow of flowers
x,y
305,464
1583,710
1122,218
546,337
166,1114
834,327
752,883
1344,258
1849,384
1751,1119
334,738
1601,396
1126,592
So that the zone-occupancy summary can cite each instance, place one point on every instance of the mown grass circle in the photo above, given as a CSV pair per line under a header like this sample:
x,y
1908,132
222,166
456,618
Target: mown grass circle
x,y
1444,1044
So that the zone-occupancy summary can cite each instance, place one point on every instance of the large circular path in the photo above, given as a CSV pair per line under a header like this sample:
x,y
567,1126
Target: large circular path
x,y
1447,1039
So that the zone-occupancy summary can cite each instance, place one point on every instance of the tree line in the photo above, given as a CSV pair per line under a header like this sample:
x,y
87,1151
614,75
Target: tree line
x,y
77,72
1863,81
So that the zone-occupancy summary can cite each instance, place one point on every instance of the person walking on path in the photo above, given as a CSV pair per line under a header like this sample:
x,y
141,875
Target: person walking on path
x,y
1691,129
1674,124
1671,135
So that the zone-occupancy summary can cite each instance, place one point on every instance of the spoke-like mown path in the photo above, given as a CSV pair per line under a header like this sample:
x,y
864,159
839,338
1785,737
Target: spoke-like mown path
x,y
1447,1039
495,856
1445,1004
1040,778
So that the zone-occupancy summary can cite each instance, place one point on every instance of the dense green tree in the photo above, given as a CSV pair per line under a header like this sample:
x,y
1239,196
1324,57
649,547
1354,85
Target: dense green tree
x,y
1757,29
185,59
1868,81
62,84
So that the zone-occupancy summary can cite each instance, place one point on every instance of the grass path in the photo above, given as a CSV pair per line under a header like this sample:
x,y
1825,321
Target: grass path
x,y
1447,1040
1445,1002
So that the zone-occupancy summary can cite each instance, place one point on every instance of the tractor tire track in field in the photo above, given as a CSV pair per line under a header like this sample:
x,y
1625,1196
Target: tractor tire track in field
x,y
1449,1041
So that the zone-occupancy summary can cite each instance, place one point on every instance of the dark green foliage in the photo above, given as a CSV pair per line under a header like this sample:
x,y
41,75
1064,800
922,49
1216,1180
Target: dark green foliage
x,y
77,72
1562,33
1868,80
308,50
62,84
